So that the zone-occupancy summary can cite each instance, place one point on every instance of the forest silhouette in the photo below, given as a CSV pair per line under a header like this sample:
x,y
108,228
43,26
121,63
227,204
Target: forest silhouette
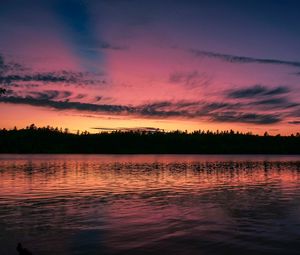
x,y
54,140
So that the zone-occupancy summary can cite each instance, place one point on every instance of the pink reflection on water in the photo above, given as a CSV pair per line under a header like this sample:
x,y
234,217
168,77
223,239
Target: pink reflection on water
x,y
147,202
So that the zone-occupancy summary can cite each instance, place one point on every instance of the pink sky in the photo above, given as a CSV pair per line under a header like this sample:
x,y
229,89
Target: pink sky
x,y
99,65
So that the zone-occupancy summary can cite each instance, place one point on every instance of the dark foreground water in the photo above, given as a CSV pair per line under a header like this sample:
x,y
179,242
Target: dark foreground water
x,y
74,204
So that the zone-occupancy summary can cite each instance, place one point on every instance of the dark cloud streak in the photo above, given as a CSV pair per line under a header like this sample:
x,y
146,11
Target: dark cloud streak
x,y
49,94
242,59
15,74
190,79
253,118
217,112
66,105
143,129
257,90
10,67
42,77
109,46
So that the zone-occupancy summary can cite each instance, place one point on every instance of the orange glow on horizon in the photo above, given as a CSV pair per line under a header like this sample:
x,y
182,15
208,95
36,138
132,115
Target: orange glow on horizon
x,y
74,121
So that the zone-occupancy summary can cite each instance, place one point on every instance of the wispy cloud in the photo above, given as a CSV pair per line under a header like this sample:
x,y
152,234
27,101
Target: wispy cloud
x,y
242,59
276,102
66,105
143,129
103,46
295,122
252,104
18,75
80,96
190,79
253,118
49,95
216,112
262,98
42,77
10,66
257,90
110,46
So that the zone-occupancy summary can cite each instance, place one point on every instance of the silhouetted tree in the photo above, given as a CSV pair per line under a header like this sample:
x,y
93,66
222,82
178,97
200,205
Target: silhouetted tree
x,y
51,140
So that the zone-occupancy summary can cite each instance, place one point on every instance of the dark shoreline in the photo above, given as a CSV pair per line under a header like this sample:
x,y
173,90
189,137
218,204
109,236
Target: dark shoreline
x,y
150,153
53,141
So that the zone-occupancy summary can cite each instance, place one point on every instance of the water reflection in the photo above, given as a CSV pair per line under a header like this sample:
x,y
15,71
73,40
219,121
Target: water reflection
x,y
74,204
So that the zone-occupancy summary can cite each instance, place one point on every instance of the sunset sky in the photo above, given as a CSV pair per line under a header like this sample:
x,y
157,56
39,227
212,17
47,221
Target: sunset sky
x,y
169,64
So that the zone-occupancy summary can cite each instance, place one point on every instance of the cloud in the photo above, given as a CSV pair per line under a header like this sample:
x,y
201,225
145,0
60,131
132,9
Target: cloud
x,y
68,77
109,46
43,77
242,59
277,91
1,62
152,111
49,94
2,65
162,109
272,101
10,66
295,113
190,79
143,129
208,108
100,46
252,118
98,98
217,112
2,91
257,90
282,102
17,75
262,97
296,122
66,105
25,86
157,109
80,96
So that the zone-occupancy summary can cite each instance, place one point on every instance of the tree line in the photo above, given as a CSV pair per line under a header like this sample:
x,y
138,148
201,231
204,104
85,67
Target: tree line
x,y
48,139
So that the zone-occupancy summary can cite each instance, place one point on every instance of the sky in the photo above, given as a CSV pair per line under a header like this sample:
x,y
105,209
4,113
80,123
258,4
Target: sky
x,y
139,64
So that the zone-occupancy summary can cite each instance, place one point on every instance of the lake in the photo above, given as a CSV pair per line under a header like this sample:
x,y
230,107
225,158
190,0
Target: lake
x,y
150,204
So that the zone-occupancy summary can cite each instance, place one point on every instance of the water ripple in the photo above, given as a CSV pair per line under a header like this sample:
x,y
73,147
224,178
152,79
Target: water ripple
x,y
76,204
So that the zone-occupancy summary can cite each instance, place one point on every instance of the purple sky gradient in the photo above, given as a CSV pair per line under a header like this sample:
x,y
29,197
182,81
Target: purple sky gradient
x,y
161,64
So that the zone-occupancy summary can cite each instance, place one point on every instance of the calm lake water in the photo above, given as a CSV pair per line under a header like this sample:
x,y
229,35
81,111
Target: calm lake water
x,y
167,204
